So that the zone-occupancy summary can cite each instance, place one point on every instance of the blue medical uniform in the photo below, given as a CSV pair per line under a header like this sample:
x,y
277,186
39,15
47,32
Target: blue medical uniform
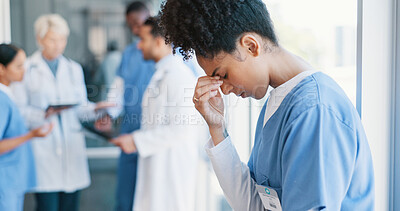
x,y
136,73
17,168
313,150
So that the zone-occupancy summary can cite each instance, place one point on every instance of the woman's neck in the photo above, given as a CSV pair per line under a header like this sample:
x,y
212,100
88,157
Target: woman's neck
x,y
285,66
47,57
4,82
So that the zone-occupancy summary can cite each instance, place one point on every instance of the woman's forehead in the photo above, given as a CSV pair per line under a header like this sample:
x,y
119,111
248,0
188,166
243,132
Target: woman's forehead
x,y
53,33
208,64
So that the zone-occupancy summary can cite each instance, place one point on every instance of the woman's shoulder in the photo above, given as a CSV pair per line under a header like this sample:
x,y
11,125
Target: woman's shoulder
x,y
71,62
5,102
320,90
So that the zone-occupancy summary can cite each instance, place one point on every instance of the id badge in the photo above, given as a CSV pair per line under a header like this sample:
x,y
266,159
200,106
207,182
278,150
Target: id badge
x,y
269,198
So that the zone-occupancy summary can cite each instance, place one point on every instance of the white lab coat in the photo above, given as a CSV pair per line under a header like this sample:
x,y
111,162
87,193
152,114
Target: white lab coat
x,y
168,141
60,158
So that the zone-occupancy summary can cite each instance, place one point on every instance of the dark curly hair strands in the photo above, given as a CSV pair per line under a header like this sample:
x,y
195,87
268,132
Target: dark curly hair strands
x,y
212,26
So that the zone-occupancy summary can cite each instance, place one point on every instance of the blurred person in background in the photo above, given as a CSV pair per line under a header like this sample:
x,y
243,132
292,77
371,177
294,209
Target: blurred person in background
x,y
132,78
17,168
52,79
167,142
105,75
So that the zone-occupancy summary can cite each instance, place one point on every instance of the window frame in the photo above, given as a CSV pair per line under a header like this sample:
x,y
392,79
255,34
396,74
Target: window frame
x,y
5,24
359,56
395,152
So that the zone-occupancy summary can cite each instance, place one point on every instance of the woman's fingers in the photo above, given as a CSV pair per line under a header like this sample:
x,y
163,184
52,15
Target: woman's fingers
x,y
205,97
104,105
207,80
200,91
49,129
208,101
43,131
103,124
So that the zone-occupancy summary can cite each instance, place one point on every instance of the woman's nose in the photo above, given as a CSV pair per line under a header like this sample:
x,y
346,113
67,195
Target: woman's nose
x,y
226,88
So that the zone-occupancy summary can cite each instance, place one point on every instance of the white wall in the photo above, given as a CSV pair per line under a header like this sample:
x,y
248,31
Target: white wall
x,y
376,90
5,30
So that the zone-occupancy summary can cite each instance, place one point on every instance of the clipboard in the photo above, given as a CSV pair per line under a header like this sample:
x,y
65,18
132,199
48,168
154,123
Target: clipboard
x,y
61,106
106,135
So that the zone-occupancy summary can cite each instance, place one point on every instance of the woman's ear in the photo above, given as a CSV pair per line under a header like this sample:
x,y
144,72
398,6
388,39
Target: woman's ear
x,y
251,44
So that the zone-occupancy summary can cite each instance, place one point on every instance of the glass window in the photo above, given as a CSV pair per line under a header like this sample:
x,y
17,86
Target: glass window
x,y
323,33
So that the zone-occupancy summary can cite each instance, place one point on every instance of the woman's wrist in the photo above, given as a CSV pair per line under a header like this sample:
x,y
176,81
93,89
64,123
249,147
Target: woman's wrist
x,y
29,135
218,134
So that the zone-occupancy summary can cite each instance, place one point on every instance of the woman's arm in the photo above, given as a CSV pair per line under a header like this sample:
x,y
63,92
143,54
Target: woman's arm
x,y
234,176
12,143
9,144
33,116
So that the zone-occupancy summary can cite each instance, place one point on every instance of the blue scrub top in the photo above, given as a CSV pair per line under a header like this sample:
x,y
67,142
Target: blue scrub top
x,y
136,73
313,150
17,168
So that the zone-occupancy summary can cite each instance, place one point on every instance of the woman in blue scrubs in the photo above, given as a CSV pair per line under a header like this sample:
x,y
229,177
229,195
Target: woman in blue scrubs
x,y
17,172
310,150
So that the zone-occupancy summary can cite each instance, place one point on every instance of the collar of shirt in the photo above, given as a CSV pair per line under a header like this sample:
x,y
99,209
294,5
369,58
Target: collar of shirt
x,y
162,66
165,61
53,64
279,93
7,90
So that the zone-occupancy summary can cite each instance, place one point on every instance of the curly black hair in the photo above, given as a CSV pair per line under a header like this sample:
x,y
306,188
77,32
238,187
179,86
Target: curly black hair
x,y
209,27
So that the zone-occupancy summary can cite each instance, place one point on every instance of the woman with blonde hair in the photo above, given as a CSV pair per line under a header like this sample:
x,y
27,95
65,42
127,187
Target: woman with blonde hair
x,y
53,89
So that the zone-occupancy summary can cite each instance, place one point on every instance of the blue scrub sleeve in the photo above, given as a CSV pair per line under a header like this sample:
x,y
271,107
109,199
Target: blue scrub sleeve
x,y
317,160
4,117
124,60
121,66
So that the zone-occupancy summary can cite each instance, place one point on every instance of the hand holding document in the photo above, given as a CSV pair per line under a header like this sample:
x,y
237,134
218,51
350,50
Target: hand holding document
x,y
104,105
42,131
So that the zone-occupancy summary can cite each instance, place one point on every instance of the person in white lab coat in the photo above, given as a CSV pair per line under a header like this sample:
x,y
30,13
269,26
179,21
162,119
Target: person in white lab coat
x,y
51,78
167,142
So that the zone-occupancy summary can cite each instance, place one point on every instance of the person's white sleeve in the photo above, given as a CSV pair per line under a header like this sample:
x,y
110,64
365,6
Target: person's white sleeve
x,y
153,141
234,177
116,95
169,129
34,116
169,117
